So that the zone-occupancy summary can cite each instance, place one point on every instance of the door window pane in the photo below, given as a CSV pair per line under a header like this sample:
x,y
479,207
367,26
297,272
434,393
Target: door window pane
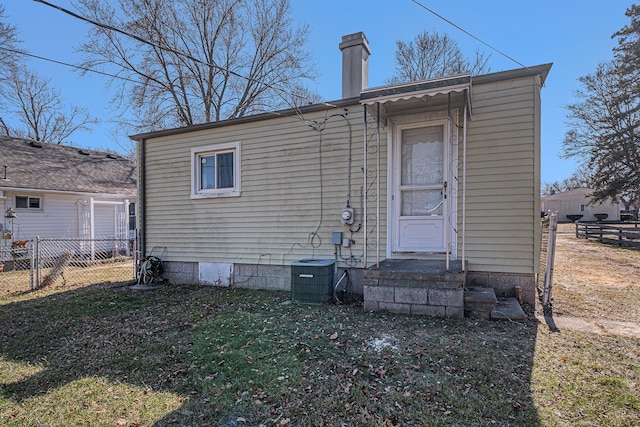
x,y
422,160
421,203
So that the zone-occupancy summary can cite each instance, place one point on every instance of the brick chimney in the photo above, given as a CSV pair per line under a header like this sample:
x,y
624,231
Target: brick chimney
x,y
355,64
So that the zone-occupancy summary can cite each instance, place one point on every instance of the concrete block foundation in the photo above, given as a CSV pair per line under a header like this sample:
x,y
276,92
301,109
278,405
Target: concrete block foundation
x,y
415,287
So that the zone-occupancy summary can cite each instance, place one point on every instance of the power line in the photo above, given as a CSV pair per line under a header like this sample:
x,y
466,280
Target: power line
x,y
467,33
161,47
278,91
89,70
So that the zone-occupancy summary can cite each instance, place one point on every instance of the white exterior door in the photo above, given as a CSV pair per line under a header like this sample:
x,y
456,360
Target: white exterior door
x,y
420,205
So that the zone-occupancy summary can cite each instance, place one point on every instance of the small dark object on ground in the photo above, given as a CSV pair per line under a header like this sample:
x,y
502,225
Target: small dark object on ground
x,y
601,216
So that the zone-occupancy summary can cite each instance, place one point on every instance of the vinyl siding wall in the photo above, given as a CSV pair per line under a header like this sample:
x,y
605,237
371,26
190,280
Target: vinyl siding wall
x,y
570,203
503,175
58,217
293,187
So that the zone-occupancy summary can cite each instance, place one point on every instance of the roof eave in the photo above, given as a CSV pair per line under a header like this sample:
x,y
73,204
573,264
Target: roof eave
x,y
322,106
440,85
69,193
541,70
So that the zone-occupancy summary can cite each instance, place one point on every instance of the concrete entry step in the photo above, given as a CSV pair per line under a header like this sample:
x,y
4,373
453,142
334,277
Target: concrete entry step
x,y
508,309
416,287
478,302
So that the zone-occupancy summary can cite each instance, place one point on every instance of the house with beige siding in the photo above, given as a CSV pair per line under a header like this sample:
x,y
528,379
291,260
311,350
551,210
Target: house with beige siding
x,y
411,193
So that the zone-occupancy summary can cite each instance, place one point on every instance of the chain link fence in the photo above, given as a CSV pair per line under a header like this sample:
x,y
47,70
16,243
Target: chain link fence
x,y
33,264
16,263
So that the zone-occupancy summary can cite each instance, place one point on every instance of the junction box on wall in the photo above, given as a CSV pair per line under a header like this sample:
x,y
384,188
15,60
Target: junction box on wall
x,y
337,239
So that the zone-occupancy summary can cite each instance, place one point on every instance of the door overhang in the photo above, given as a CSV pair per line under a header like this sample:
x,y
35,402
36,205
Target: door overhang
x,y
394,100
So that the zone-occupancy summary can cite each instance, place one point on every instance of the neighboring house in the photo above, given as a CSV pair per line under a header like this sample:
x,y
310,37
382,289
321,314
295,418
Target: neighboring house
x,y
58,191
577,202
444,170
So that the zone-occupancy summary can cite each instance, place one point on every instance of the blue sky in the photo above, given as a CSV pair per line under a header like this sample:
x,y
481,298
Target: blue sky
x,y
574,35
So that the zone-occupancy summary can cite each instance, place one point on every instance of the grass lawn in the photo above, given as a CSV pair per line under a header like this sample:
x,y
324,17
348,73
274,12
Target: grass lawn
x,y
201,356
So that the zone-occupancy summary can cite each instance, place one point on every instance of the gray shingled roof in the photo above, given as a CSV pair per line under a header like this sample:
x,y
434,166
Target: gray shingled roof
x,y
43,166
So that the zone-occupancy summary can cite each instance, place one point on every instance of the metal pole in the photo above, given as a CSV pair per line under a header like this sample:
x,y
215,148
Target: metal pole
x,y
378,186
92,235
37,265
464,179
551,248
445,210
366,191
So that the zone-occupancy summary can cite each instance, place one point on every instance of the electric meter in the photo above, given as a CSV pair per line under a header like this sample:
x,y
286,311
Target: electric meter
x,y
347,216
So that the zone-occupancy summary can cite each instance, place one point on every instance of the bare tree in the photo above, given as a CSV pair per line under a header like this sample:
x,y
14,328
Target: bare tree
x,y
604,126
8,42
39,108
432,55
627,52
30,107
185,62
8,57
604,133
579,179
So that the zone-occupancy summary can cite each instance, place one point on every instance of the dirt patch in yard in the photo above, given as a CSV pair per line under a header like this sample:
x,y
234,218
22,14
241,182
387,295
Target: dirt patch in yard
x,y
596,287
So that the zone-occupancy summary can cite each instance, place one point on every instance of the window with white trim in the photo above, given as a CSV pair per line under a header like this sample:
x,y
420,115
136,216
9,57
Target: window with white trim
x,y
215,171
29,203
